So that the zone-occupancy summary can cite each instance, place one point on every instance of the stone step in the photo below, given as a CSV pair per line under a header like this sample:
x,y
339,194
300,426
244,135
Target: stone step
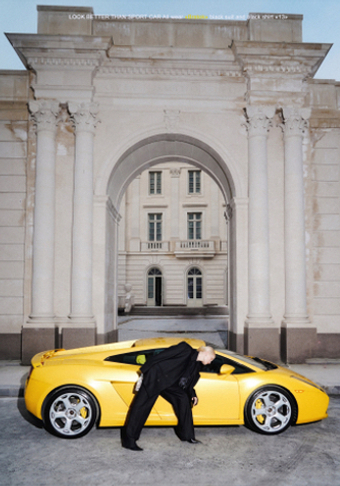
x,y
179,311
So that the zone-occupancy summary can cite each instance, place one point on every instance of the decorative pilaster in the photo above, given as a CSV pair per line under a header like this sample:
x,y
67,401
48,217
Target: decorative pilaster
x,y
84,116
259,314
175,175
294,125
134,215
171,120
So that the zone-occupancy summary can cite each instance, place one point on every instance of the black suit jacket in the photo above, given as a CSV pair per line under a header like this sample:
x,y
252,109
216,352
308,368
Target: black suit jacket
x,y
168,367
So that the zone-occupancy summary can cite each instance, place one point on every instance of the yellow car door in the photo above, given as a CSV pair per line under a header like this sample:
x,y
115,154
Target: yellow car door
x,y
218,398
122,372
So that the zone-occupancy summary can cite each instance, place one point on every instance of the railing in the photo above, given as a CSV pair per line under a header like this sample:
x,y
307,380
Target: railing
x,y
197,248
182,247
195,245
154,245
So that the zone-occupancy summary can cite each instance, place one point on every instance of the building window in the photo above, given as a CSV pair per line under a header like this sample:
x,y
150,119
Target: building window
x,y
194,182
155,227
194,226
155,182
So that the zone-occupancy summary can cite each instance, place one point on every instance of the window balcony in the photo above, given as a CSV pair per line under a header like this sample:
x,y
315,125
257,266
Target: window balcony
x,y
186,248
197,248
154,246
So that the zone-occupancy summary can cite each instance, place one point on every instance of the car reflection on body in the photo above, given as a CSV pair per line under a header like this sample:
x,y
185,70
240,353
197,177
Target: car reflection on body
x,y
72,390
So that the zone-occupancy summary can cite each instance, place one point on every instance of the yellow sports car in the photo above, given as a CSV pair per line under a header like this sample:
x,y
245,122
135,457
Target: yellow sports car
x,y
71,390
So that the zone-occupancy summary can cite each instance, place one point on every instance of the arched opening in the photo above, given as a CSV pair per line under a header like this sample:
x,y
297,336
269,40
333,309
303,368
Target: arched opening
x,y
168,147
154,287
195,287
142,156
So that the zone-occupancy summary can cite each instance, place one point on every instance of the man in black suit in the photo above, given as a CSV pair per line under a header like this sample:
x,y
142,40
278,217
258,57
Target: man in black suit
x,y
172,374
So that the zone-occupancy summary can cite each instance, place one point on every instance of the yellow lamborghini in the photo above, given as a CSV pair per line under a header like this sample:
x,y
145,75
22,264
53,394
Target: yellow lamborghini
x,y
71,390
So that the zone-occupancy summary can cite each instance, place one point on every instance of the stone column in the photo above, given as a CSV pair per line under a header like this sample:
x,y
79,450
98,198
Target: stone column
x,y
260,335
84,118
39,332
45,115
296,323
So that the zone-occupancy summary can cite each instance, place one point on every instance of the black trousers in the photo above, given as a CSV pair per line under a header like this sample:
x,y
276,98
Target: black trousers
x,y
141,408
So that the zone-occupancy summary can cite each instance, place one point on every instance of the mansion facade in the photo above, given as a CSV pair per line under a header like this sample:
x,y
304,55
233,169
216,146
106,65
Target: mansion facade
x,y
186,162
173,243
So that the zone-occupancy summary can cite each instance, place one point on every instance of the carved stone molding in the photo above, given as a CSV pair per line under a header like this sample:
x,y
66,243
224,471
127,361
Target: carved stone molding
x,y
175,172
84,116
295,121
113,211
228,212
293,68
171,119
45,114
163,71
258,120
63,62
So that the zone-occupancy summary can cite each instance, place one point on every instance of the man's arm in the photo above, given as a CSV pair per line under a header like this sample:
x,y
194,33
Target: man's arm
x,y
168,353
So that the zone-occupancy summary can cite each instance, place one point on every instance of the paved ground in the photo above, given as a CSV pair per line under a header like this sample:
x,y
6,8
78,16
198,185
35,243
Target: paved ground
x,y
302,456
306,455
211,329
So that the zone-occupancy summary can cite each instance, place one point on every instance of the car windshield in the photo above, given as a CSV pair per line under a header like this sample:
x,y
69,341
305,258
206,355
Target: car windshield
x,y
262,365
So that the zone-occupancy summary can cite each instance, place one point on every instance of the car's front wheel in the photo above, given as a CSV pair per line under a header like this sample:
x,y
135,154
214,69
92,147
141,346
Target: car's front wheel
x,y
69,412
270,410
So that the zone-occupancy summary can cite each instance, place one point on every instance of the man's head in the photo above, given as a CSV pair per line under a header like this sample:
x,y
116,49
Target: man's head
x,y
206,354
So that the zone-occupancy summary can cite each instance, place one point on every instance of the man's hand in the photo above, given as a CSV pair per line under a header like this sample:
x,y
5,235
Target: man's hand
x,y
139,383
194,401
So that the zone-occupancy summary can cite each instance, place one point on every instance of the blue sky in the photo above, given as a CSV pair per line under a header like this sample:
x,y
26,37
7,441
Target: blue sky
x,y
321,19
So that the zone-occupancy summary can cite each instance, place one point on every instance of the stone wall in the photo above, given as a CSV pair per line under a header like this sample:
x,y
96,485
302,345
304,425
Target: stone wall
x,y
187,102
13,159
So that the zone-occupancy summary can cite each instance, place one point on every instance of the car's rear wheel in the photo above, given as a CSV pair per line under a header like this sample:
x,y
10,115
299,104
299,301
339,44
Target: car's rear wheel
x,y
270,410
69,412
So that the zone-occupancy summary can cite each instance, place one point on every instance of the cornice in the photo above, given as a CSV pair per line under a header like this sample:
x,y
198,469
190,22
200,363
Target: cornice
x,y
279,58
53,42
50,51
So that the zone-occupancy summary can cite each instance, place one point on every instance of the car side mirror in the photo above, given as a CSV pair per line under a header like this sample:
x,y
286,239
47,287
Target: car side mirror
x,y
226,369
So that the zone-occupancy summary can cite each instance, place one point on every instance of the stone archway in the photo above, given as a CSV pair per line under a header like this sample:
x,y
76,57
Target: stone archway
x,y
141,156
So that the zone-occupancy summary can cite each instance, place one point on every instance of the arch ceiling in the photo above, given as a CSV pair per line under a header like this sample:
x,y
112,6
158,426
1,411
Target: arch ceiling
x,y
168,148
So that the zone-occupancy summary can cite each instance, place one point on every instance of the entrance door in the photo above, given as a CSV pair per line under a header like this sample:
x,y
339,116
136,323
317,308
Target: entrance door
x,y
155,287
195,288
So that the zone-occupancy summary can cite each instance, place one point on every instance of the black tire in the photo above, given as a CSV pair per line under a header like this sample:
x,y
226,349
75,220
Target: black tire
x,y
70,412
270,410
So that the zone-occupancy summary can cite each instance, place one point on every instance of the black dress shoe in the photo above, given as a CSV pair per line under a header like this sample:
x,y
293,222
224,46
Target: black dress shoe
x,y
133,447
194,441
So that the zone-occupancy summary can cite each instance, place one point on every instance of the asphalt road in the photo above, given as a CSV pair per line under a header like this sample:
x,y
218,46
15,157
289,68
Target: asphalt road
x,y
306,455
